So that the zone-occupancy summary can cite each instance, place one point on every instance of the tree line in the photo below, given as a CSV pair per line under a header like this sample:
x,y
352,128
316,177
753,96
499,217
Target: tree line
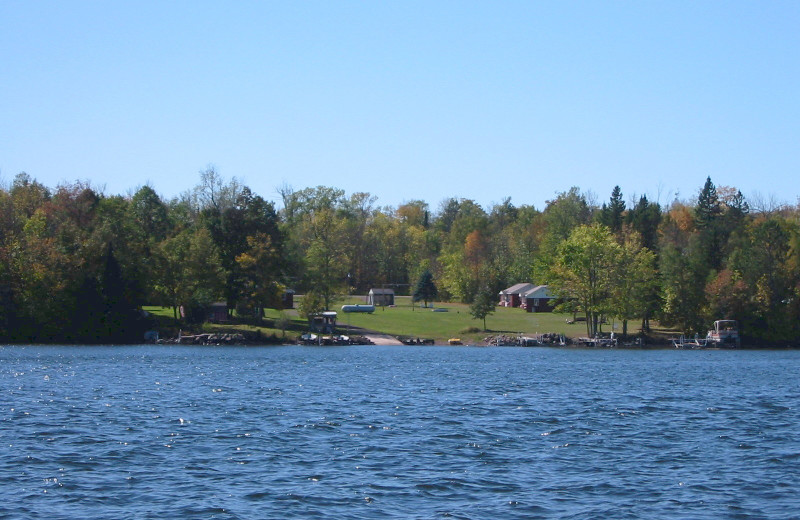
x,y
78,265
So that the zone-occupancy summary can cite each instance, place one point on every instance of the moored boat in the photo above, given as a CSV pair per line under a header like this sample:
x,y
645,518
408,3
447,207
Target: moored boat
x,y
724,334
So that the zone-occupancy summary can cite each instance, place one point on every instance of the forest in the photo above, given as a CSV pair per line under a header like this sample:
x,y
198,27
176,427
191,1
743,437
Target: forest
x,y
78,264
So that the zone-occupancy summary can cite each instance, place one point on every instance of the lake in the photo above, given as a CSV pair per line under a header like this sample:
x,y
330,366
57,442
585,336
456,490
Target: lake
x,y
398,432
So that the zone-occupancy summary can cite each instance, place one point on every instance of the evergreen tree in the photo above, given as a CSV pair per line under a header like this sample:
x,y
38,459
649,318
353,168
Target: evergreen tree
x,y
645,218
708,206
736,211
611,215
425,290
707,219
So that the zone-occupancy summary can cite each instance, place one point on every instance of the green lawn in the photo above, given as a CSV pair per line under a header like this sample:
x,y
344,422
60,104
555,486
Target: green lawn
x,y
268,327
405,320
413,321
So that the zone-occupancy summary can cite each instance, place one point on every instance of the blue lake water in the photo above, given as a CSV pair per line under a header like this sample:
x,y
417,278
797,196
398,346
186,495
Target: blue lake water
x,y
397,432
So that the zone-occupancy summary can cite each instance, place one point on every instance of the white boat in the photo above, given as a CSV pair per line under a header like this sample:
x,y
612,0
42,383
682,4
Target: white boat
x,y
724,334
527,341
308,338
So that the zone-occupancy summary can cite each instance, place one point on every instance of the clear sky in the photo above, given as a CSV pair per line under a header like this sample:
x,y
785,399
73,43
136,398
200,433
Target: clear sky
x,y
405,100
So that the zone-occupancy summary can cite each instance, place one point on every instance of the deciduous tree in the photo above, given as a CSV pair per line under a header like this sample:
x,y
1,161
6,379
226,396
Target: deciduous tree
x,y
483,304
583,271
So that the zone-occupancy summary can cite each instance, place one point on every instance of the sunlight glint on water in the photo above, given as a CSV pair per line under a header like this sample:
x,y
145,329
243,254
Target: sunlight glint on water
x,y
397,432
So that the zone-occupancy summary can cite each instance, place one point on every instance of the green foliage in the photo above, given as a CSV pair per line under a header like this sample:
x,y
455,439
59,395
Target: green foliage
x,y
483,304
763,269
584,271
644,218
635,284
76,264
325,258
249,242
611,215
458,281
283,322
188,270
312,302
568,211
708,207
684,274
149,214
425,290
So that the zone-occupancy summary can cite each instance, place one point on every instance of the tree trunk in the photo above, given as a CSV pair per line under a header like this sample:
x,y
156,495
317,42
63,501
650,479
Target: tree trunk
x,y
589,324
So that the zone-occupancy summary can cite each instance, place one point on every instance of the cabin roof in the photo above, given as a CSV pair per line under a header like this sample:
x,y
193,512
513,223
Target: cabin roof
x,y
540,291
381,291
518,288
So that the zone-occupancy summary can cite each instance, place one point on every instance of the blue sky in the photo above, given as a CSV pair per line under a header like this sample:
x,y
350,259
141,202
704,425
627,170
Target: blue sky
x,y
405,100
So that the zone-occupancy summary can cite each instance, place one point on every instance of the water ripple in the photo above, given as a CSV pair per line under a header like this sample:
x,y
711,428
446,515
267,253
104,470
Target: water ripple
x,y
366,432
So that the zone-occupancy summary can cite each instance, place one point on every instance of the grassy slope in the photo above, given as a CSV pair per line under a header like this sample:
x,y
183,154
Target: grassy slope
x,y
403,320
168,327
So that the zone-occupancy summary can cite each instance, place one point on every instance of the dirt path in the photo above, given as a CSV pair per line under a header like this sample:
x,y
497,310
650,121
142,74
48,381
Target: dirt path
x,y
382,339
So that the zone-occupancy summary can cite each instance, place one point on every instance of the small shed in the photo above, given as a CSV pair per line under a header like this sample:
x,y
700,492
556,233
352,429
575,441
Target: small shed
x,y
217,312
538,299
287,299
383,297
512,297
322,322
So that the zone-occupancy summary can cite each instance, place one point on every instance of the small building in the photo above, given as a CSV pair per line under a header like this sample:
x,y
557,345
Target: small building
x,y
217,312
379,297
512,297
322,322
287,299
538,299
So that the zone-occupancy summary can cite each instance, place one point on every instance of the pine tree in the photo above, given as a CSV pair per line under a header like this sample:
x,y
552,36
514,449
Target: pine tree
x,y
425,290
708,222
644,218
708,206
611,214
